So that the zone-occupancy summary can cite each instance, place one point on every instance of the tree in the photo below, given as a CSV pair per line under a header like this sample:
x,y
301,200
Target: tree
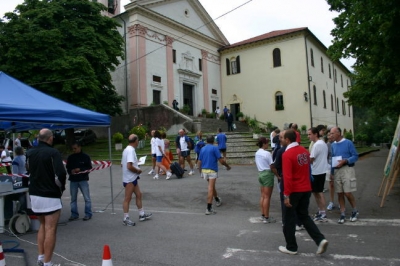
x,y
64,48
370,32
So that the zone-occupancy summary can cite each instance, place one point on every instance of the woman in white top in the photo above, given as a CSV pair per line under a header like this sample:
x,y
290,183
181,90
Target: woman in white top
x,y
263,160
6,158
160,153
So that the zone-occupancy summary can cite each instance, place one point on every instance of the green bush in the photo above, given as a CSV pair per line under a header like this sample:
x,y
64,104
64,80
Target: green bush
x,y
117,137
348,135
222,117
240,114
140,131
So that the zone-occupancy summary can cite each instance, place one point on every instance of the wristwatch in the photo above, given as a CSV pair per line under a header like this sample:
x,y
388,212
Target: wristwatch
x,y
285,196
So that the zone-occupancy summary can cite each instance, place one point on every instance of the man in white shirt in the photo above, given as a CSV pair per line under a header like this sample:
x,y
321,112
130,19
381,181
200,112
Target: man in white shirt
x,y
153,153
319,164
130,176
185,152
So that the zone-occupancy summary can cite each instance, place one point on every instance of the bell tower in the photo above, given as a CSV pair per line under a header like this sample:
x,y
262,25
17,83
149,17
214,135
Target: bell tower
x,y
113,7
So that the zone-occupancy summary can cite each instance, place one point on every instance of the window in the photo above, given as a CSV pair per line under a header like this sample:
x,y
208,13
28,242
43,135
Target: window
x,y
349,109
312,56
332,102
233,66
200,65
279,101
111,7
315,94
324,96
322,65
337,106
329,69
276,54
156,79
156,97
174,56
341,80
214,91
343,107
335,75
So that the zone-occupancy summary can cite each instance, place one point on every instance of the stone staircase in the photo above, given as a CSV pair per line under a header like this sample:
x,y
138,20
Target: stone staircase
x,y
210,125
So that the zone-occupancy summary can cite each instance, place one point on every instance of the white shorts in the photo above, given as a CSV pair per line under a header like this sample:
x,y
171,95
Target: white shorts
x,y
209,174
44,205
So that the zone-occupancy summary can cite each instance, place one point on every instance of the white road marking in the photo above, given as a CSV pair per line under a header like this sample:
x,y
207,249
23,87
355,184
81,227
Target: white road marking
x,y
359,222
241,254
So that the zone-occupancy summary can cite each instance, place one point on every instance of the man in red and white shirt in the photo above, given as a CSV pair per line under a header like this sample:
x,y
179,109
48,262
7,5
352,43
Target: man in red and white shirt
x,y
297,192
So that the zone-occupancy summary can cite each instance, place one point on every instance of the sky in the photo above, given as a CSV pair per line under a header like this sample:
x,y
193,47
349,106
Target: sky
x,y
255,17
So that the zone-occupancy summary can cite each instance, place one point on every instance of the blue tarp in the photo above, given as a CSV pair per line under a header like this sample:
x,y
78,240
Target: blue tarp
x,y
23,107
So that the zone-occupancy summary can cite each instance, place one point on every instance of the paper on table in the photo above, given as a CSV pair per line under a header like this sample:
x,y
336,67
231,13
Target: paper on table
x,y
335,160
142,160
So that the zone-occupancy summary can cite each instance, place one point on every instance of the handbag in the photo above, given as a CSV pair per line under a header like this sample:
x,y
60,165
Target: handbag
x,y
234,126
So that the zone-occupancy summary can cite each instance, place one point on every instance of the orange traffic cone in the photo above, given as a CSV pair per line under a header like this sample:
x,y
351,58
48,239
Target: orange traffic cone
x,y
2,259
106,257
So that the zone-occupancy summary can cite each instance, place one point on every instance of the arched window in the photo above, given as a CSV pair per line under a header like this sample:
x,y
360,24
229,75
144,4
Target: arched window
x,y
343,107
324,96
279,101
322,65
315,94
332,102
312,56
335,75
329,69
276,54
341,80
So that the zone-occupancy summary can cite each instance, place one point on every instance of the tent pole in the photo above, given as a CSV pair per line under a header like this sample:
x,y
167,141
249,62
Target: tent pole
x,y
111,179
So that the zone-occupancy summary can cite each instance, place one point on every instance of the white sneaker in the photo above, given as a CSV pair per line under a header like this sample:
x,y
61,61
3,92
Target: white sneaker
x,y
169,174
155,177
151,172
284,250
191,172
323,245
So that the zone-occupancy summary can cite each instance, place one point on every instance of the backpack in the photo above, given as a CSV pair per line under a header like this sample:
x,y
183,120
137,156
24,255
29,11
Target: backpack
x,y
191,144
198,146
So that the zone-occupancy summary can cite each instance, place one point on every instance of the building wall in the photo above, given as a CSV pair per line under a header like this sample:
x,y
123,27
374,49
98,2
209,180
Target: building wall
x,y
259,81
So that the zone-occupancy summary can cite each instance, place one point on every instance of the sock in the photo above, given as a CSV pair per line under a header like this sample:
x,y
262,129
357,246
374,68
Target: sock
x,y
41,257
262,215
343,213
216,198
126,215
323,213
48,263
141,211
354,209
209,206
266,217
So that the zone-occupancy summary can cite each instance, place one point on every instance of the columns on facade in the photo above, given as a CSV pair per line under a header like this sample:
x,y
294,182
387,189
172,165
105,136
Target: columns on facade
x,y
137,51
170,69
204,55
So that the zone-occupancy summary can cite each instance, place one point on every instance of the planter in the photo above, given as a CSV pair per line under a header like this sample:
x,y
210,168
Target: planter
x,y
118,146
256,135
141,144
241,119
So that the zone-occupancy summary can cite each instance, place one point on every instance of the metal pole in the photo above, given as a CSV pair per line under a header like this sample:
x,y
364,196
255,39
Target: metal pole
x,y
111,179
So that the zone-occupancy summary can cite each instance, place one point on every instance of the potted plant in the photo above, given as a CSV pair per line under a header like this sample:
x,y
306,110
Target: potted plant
x,y
303,129
240,116
185,109
255,127
139,131
117,139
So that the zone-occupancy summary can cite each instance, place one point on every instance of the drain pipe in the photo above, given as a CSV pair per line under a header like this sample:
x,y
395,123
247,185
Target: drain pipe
x,y
125,66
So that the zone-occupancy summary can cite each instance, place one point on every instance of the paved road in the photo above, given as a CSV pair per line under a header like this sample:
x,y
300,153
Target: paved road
x,y
180,233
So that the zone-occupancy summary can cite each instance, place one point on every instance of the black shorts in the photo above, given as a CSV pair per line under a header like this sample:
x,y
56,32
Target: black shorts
x,y
185,154
46,213
318,183
222,150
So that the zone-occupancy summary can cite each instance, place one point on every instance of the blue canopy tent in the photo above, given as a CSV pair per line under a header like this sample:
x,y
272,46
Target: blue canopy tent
x,y
23,107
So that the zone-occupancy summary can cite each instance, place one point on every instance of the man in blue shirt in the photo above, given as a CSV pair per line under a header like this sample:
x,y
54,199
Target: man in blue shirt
x,y
221,141
344,155
208,168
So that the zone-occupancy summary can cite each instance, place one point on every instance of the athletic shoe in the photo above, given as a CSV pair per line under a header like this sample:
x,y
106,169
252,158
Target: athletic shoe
x,y
128,222
151,172
155,177
323,245
168,175
210,211
40,263
321,218
330,206
316,214
191,172
86,218
341,219
300,227
218,201
353,216
269,220
284,250
72,218
145,216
